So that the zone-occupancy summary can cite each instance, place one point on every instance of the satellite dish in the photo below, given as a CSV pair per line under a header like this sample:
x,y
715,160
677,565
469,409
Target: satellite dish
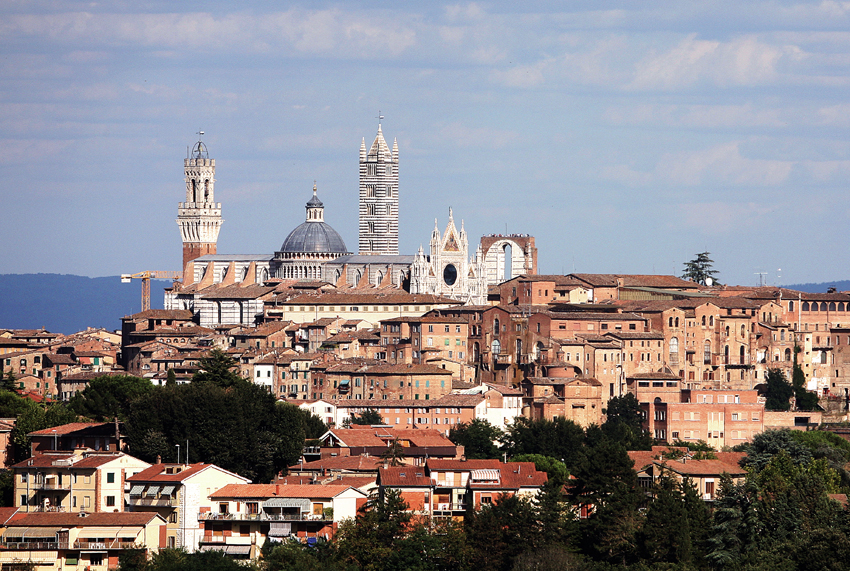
x,y
709,282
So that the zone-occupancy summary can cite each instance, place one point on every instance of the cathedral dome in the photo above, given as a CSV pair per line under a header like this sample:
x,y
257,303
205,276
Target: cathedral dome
x,y
314,237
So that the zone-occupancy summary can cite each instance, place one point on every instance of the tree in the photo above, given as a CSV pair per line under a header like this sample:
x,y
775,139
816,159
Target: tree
x,y
478,439
239,428
314,427
218,368
394,454
767,444
624,423
109,396
499,532
700,269
665,536
8,381
805,400
367,542
368,417
559,438
778,391
37,417
171,378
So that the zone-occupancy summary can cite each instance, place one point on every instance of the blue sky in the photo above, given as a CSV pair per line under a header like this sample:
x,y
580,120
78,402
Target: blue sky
x,y
625,136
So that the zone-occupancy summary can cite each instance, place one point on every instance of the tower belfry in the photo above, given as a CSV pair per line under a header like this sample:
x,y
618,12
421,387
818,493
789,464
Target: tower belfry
x,y
199,217
378,196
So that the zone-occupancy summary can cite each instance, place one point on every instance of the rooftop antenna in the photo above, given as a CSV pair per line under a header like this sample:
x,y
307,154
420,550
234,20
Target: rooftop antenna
x,y
778,276
761,278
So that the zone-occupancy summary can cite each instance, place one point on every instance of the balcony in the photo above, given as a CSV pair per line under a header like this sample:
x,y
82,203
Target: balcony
x,y
262,516
503,359
139,501
114,544
53,485
34,545
444,507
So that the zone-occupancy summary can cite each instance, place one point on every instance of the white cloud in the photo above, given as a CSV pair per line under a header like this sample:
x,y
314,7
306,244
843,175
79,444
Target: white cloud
x,y
719,218
742,61
460,135
696,116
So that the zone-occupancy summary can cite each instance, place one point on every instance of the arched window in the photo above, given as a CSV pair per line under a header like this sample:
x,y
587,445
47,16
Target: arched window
x,y
207,190
743,330
726,355
840,306
742,355
790,306
832,306
706,353
496,347
496,326
787,354
507,250
805,306
823,306
674,346
703,320
727,331
358,275
378,278
670,322
677,322
711,321
476,351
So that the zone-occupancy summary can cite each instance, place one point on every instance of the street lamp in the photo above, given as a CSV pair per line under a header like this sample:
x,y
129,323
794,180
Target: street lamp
x,y
178,453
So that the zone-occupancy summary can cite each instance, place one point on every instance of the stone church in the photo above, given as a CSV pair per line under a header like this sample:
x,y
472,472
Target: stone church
x,y
314,251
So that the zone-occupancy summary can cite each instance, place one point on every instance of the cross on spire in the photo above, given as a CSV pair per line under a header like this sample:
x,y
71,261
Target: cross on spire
x,y
200,134
379,117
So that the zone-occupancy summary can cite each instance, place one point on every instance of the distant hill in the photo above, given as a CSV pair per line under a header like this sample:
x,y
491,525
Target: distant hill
x,y
64,303
841,285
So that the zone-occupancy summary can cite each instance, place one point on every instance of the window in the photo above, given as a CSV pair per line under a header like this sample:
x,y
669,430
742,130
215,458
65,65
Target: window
x,y
173,517
110,501
110,477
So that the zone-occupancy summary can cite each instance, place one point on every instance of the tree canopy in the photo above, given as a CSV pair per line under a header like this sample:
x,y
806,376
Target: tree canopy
x,y
701,269
109,396
478,439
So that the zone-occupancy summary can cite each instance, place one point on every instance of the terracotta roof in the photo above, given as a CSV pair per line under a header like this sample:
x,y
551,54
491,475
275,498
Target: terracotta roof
x,y
90,460
462,465
179,314
71,428
368,436
370,297
513,476
458,400
349,463
6,514
636,280
100,519
654,335
404,476
237,292
279,491
156,473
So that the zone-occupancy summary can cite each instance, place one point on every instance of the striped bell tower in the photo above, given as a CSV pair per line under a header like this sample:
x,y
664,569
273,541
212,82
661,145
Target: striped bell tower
x,y
378,196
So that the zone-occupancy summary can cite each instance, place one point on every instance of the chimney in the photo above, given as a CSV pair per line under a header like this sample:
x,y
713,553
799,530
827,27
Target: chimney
x,y
158,459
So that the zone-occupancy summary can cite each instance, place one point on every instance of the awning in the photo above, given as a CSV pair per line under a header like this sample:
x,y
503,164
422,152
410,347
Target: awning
x,y
167,490
136,490
280,529
302,503
212,548
344,382
238,550
110,532
39,532
152,490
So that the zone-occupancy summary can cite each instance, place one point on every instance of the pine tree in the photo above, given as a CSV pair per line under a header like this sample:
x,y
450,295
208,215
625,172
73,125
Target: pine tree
x,y
700,270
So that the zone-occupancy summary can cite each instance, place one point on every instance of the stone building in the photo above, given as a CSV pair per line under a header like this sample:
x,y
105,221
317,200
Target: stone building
x,y
379,197
199,217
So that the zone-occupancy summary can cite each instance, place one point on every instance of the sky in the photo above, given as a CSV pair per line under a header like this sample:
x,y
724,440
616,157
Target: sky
x,y
625,136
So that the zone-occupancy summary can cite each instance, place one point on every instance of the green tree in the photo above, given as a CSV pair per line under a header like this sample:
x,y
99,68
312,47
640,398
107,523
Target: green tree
x,y
559,438
109,396
700,269
478,439
7,489
367,542
394,454
368,417
779,390
262,437
171,378
313,426
806,400
501,531
293,555
624,423
9,381
666,536
218,368
769,443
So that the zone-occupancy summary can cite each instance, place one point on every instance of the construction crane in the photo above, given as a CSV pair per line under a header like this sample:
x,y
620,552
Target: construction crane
x,y
146,282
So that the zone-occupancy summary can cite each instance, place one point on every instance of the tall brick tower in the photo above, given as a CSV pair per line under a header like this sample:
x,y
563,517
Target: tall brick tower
x,y
199,217
378,197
